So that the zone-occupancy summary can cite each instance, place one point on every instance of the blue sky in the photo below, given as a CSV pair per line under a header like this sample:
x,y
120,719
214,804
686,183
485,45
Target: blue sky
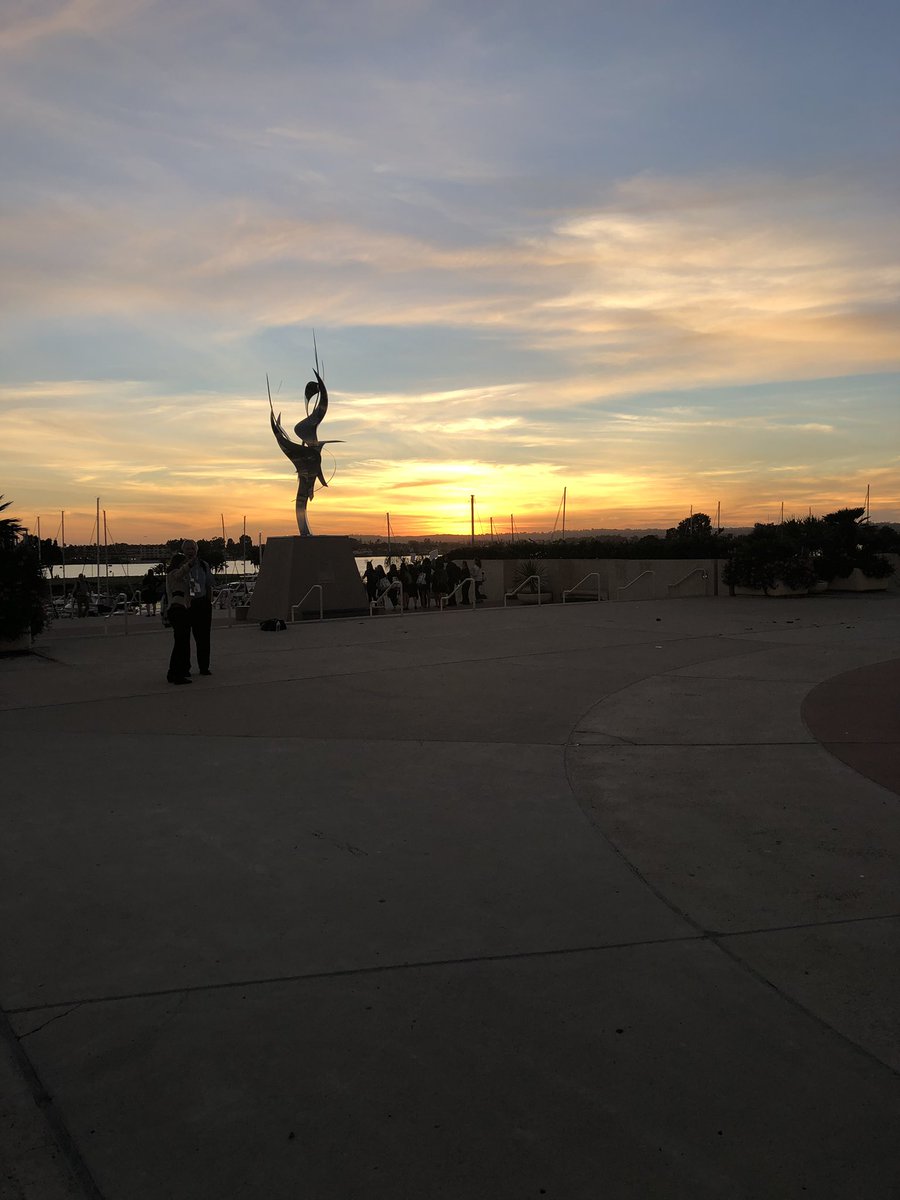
x,y
646,251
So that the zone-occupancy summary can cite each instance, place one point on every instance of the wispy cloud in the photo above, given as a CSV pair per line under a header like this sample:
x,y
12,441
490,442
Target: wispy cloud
x,y
536,249
29,21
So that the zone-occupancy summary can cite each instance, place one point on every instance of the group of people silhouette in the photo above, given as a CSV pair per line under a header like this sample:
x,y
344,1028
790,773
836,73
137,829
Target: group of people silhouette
x,y
420,582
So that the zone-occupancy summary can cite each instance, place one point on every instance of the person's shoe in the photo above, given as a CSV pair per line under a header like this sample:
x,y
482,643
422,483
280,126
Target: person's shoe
x,y
206,672
178,679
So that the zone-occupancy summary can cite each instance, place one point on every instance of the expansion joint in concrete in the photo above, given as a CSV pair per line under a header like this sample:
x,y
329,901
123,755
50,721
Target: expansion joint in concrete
x,y
810,1014
381,969
77,1172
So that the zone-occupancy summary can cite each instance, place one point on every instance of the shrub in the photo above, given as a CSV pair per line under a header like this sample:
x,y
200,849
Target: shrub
x,y
847,541
22,584
526,571
772,554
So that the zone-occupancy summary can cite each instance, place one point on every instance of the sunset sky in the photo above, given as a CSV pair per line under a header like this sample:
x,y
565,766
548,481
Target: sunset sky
x,y
648,251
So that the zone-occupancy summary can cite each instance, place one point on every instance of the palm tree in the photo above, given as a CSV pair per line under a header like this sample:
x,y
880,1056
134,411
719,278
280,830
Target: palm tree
x,y
21,582
10,529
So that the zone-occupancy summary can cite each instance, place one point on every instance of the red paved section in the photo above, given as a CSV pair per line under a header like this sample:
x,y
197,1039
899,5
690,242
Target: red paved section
x,y
856,716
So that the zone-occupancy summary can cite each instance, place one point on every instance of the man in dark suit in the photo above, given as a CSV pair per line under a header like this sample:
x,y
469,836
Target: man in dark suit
x,y
201,604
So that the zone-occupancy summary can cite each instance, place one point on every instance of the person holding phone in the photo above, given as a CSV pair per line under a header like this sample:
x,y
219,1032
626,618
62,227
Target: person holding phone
x,y
178,596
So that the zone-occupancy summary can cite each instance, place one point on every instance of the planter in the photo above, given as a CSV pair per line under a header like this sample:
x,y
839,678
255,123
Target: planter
x,y
532,597
779,591
19,645
241,611
856,581
782,589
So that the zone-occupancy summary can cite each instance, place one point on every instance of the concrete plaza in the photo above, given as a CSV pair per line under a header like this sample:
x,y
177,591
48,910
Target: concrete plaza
x,y
583,901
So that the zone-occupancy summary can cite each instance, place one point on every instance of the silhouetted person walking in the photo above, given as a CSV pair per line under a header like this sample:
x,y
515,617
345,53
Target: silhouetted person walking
x,y
478,577
147,594
370,575
178,595
454,576
82,596
464,577
200,609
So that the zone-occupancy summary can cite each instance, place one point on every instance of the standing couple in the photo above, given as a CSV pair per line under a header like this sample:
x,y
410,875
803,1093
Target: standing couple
x,y
189,611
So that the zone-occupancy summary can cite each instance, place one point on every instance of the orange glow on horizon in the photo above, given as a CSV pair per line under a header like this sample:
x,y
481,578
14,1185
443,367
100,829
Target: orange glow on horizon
x,y
627,504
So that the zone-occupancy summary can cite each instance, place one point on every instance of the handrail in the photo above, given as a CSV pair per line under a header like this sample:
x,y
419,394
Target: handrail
x,y
626,586
515,591
116,611
702,571
576,586
373,604
459,587
228,588
316,587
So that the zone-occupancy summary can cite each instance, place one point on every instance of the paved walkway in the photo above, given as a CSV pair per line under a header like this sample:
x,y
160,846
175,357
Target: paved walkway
x,y
594,900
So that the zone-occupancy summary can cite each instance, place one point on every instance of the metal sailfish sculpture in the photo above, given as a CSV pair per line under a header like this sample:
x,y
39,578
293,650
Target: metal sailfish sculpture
x,y
306,455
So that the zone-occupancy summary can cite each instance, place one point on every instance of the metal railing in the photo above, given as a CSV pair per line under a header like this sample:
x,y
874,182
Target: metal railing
x,y
515,591
631,583
576,586
470,583
65,607
120,608
316,587
397,587
670,588
232,600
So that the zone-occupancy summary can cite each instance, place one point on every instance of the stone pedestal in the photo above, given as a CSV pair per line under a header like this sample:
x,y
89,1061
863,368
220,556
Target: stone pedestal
x,y
293,565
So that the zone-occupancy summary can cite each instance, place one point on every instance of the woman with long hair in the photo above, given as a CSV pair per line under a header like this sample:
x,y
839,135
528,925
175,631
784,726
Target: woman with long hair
x,y
178,595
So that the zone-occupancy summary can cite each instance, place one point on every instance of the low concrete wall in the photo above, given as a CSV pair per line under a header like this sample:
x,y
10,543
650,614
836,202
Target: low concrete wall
x,y
620,578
